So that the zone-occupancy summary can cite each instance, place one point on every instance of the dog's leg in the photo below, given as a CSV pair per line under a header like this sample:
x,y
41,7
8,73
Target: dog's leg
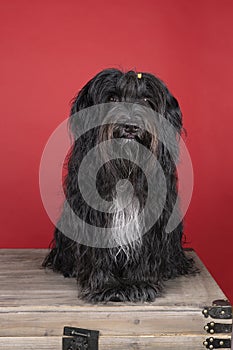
x,y
117,281
141,282
62,257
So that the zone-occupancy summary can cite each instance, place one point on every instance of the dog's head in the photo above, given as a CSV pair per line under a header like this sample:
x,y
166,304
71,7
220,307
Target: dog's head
x,y
143,91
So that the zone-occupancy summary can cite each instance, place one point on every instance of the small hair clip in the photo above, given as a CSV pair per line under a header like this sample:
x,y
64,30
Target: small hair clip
x,y
139,75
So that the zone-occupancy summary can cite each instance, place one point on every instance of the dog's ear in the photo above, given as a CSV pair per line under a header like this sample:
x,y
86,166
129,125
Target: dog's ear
x,y
81,101
172,111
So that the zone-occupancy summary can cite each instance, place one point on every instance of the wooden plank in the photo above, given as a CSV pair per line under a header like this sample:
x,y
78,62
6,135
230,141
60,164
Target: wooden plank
x,y
118,323
108,343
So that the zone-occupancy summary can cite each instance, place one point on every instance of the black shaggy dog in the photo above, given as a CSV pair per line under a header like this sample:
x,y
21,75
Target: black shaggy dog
x,y
130,262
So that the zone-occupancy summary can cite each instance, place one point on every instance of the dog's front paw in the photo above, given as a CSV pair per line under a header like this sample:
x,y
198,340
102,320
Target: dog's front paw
x,y
111,294
132,293
142,292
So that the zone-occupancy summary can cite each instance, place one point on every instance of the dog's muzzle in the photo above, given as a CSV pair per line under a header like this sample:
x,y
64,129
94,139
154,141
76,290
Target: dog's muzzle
x,y
127,131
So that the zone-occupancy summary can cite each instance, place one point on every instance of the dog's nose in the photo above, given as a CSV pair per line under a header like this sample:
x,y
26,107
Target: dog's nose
x,y
131,129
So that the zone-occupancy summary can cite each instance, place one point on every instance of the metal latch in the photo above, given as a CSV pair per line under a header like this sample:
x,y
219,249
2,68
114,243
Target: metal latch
x,y
80,339
221,309
213,327
214,343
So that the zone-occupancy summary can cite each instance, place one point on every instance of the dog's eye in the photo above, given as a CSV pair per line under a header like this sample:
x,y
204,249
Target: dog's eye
x,y
114,99
144,101
149,103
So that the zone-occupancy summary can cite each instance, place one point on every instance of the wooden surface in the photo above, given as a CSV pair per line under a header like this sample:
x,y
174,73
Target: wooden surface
x,y
109,343
37,304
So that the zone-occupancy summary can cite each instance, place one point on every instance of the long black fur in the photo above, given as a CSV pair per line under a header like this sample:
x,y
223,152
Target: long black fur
x,y
110,274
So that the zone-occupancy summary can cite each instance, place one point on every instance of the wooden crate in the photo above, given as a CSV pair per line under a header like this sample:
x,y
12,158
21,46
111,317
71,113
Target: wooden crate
x,y
35,305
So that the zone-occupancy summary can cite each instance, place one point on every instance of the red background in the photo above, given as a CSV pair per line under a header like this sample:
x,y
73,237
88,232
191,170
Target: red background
x,y
50,48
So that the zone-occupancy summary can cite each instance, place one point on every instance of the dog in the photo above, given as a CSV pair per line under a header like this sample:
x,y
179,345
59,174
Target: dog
x,y
122,252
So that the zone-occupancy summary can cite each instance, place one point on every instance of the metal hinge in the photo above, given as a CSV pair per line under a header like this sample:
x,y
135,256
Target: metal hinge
x,y
214,343
221,309
213,327
80,339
